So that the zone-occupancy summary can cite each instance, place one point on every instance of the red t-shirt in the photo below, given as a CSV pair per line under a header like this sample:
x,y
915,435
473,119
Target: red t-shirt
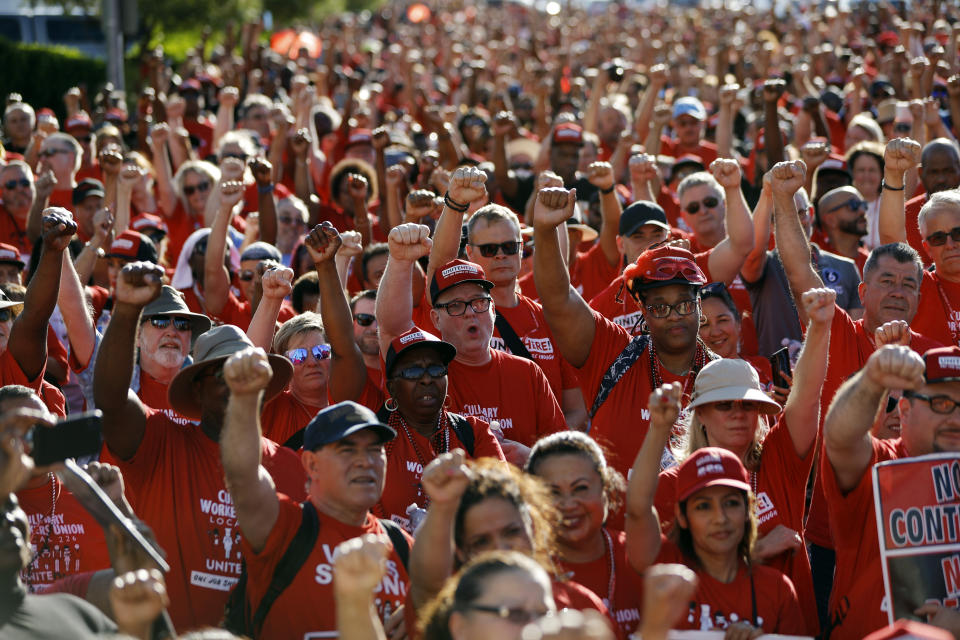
x,y
509,389
407,456
717,605
203,132
568,594
235,311
284,416
627,583
13,232
11,373
591,273
705,149
781,485
858,580
374,393
153,394
176,485
911,213
306,609
65,538
527,321
180,225
938,315
617,305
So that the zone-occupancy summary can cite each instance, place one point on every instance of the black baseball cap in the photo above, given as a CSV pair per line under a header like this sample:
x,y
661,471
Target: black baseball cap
x,y
640,213
341,420
86,188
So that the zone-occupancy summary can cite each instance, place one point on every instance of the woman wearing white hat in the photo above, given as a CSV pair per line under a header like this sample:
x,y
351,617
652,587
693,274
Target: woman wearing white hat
x,y
729,410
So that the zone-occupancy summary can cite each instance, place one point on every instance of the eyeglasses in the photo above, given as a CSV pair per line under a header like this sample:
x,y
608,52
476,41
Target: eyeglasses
x,y
289,220
902,127
511,248
459,307
364,319
179,323
415,373
694,207
726,406
516,616
319,351
855,204
943,405
683,308
10,185
242,157
5,314
939,238
191,189
891,404
246,276
49,153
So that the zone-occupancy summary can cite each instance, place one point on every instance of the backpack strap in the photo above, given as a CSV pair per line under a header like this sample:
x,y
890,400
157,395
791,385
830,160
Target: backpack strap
x,y
464,430
399,541
290,564
510,337
618,368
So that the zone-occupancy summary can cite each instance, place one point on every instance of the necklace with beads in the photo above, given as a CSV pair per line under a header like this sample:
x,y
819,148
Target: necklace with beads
x,y
439,440
612,568
45,544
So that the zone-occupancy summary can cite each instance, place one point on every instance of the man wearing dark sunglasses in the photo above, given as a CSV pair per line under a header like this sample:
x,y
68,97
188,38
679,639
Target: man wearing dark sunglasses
x,y
18,193
843,218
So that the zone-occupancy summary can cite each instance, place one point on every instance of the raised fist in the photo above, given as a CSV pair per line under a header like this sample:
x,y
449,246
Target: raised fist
x,y
814,153
228,97
175,107
58,228
357,186
773,89
667,589
130,175
138,598
953,86
420,204
409,242
359,564
548,179
893,332
727,172
396,174
643,168
662,114
231,192
553,207
139,283
901,155
600,175
322,242
247,371
786,178
300,142
466,185
381,138
231,169
658,75
262,171
111,159
504,123
103,223
895,367
159,135
819,304
45,184
728,94
446,478
277,282
664,406
351,244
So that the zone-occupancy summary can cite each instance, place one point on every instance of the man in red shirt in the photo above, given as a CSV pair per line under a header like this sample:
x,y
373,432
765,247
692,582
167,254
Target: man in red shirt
x,y
483,382
689,120
343,455
928,423
172,471
843,218
618,373
60,153
19,191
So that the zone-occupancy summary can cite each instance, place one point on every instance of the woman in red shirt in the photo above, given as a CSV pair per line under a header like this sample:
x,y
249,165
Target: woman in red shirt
x,y
585,491
720,329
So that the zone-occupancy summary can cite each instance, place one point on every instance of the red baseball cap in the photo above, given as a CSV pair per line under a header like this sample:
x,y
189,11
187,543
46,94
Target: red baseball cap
x,y
568,133
417,338
710,467
79,120
131,245
457,272
663,266
9,253
359,136
148,221
942,364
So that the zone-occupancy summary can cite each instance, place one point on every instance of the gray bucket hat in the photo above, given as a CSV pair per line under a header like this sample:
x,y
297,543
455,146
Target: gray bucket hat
x,y
170,302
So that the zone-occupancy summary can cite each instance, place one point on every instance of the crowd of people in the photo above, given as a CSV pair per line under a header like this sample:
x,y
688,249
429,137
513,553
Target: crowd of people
x,y
464,321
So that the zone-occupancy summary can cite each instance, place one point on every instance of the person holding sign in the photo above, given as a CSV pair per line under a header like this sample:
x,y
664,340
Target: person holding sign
x,y
929,423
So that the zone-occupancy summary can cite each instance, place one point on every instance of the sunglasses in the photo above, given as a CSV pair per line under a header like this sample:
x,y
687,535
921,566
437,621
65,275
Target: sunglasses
x,y
891,404
289,220
727,405
855,204
49,153
239,156
162,322
10,185
694,207
5,314
511,248
364,319
902,127
939,238
200,186
246,276
415,373
683,308
299,356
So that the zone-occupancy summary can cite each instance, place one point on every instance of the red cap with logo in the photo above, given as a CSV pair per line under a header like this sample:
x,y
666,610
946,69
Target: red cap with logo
x,y
9,253
359,136
942,365
416,338
710,467
79,120
457,272
568,133
148,221
662,266
131,245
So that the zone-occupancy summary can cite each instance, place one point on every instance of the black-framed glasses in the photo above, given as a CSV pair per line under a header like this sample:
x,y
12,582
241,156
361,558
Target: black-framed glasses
x,y
514,615
683,308
855,204
459,307
939,238
694,207
202,187
318,351
364,319
944,405
246,275
5,314
415,373
179,323
10,185
489,250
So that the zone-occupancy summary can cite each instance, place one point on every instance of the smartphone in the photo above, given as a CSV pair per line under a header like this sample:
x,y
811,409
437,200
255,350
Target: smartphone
x,y
73,437
780,363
